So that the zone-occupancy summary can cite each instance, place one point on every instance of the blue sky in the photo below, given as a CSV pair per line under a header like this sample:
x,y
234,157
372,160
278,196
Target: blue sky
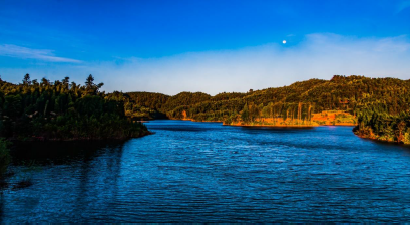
x,y
210,46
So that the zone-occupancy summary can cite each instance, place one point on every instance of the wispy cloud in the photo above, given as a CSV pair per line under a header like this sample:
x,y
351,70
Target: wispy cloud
x,y
403,5
29,53
318,56
271,65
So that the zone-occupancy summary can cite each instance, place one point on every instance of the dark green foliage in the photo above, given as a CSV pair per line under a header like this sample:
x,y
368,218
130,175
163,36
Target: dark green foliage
x,y
144,105
185,99
148,99
62,111
4,156
381,105
245,114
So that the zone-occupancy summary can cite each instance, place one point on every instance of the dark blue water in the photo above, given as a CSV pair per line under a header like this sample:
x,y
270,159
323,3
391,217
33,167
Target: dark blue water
x,y
207,172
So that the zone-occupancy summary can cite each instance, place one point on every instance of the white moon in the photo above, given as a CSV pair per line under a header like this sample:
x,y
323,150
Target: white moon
x,y
284,41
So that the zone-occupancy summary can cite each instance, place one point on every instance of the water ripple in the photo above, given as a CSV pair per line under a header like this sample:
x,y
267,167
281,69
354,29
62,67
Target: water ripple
x,y
206,172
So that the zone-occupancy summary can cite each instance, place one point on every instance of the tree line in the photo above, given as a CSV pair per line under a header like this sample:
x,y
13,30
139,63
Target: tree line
x,y
63,110
380,106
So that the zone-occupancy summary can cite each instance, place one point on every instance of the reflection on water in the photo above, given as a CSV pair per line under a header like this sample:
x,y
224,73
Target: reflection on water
x,y
207,172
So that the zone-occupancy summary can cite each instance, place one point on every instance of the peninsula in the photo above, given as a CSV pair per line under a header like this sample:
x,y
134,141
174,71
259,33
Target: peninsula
x,y
63,111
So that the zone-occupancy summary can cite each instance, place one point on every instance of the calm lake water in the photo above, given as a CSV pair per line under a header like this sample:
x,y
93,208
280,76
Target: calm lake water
x,y
207,172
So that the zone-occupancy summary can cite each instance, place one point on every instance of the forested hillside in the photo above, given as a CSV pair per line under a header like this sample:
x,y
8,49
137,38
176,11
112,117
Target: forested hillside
x,y
60,110
379,106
